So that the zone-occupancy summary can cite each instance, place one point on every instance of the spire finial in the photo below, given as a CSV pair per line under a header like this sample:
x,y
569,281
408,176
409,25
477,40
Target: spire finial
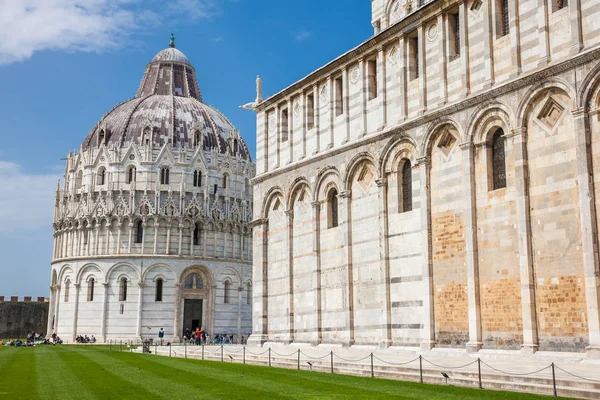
x,y
172,42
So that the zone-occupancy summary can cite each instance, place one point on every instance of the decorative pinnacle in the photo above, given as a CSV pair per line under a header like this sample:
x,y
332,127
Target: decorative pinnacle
x,y
172,42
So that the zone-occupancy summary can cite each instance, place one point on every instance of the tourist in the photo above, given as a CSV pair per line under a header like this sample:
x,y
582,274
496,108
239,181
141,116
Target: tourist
x,y
198,337
161,336
92,339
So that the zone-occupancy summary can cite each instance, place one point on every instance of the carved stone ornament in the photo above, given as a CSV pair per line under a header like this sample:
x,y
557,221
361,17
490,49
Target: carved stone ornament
x,y
297,108
432,32
323,93
272,122
354,74
392,55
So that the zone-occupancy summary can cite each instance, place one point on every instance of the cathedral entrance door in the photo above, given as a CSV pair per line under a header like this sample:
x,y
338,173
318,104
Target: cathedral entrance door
x,y
192,315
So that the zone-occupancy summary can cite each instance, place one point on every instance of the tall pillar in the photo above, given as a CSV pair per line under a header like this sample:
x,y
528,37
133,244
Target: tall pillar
x,y
442,23
515,38
488,11
289,238
543,33
381,88
423,68
277,137
143,236
346,227
76,310
317,119
177,318
290,132
384,257
428,336
346,105
156,226
463,12
104,310
179,249
57,293
402,75
260,288
120,229
129,239
239,312
530,331
316,279
576,28
475,338
589,231
363,95
138,326
331,112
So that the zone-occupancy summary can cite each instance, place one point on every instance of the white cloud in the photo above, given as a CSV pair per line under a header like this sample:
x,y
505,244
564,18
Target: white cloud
x,y
302,35
29,26
26,200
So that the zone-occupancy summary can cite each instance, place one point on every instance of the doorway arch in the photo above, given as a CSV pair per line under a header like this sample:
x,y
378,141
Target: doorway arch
x,y
195,301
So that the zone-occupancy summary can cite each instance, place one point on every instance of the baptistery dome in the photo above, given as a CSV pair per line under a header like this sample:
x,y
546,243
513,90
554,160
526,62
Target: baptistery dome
x,y
152,221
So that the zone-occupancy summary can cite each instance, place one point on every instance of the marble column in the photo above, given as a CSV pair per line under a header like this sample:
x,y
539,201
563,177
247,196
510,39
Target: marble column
x,y
589,230
346,227
530,331
177,318
488,12
104,310
76,310
384,260
463,12
138,326
428,336
543,33
576,28
260,289
470,211
289,238
316,278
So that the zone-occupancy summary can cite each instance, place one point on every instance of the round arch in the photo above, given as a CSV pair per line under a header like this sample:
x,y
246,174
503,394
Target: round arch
x,y
356,162
484,115
327,176
297,185
431,132
394,151
534,91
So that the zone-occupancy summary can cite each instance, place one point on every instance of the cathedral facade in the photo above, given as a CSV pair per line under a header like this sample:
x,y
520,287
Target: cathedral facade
x,y
152,223
438,185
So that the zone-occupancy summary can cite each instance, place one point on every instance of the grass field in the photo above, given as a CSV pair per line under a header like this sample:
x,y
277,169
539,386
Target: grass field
x,y
94,372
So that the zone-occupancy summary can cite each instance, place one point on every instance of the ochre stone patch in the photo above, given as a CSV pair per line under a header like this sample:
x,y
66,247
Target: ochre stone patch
x,y
451,314
448,237
501,319
561,309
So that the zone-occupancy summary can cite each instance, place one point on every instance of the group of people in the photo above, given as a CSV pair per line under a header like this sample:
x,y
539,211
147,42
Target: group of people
x,y
85,339
31,340
200,337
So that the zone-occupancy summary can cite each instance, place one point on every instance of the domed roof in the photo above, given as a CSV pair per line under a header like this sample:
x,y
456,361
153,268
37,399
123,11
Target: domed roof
x,y
171,54
168,108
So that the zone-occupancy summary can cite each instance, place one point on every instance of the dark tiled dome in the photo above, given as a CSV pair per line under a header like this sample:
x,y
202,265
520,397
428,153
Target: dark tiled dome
x,y
168,108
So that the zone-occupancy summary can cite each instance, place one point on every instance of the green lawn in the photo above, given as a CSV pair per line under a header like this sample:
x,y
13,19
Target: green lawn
x,y
91,372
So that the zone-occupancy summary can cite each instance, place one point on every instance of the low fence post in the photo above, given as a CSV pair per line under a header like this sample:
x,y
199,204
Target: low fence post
x,y
221,353
110,345
202,352
372,372
298,359
421,369
332,362
185,348
479,372
121,345
169,349
244,357
155,348
269,356
554,380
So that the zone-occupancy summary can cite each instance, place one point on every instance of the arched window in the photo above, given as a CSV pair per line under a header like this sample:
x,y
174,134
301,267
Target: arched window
x,y
332,208
131,172
123,289
101,176
139,234
79,180
248,293
159,290
164,176
90,293
197,178
226,292
67,287
406,187
196,237
225,181
193,281
498,160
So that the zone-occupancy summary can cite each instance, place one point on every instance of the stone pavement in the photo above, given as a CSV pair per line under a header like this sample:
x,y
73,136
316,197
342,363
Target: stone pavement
x,y
574,375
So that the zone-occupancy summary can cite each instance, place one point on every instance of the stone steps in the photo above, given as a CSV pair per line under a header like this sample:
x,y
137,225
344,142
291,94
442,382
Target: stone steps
x,y
540,383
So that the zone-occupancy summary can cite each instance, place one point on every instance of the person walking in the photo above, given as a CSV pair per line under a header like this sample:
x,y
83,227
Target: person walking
x,y
161,336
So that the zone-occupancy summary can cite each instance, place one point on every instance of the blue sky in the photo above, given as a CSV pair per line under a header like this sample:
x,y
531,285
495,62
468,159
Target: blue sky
x,y
65,63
